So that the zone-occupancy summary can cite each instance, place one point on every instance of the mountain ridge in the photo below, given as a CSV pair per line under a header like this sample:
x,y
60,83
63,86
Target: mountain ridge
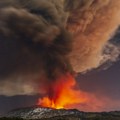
x,y
45,113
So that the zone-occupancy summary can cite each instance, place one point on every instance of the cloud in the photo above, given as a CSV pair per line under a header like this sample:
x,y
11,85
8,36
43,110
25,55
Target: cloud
x,y
92,28
33,42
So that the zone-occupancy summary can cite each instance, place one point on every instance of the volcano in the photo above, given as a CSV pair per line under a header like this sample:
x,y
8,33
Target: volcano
x,y
44,113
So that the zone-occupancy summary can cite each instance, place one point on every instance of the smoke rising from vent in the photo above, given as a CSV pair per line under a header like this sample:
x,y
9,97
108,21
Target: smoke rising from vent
x,y
42,40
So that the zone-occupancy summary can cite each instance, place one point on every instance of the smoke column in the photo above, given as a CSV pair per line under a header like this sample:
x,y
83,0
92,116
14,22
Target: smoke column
x,y
34,44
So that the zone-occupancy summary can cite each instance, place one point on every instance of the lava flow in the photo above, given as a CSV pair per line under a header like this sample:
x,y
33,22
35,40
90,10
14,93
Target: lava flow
x,y
62,93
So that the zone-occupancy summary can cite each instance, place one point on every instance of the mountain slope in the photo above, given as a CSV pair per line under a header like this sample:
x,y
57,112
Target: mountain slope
x,y
40,112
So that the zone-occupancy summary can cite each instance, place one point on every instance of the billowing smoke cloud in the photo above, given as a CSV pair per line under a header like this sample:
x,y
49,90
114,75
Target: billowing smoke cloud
x,y
35,40
38,36
92,26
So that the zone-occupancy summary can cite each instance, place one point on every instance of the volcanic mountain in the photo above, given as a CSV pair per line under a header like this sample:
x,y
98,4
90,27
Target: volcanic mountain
x,y
44,113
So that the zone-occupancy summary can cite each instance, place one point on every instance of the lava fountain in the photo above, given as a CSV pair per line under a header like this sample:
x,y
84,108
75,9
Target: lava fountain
x,y
62,93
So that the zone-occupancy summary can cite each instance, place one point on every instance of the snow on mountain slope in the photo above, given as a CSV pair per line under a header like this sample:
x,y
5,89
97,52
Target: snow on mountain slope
x,y
40,112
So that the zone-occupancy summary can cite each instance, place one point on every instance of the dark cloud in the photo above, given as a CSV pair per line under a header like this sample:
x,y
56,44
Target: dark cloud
x,y
33,40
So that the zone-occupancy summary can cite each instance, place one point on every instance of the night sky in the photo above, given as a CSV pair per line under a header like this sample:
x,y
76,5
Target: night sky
x,y
40,41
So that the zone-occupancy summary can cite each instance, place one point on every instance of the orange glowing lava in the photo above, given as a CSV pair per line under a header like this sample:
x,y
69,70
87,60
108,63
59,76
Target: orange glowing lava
x,y
62,94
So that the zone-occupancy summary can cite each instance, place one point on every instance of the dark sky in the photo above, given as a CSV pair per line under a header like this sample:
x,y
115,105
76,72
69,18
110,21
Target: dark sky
x,y
8,103
105,82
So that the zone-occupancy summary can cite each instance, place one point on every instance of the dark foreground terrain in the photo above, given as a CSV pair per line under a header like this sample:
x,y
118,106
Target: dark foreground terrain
x,y
37,113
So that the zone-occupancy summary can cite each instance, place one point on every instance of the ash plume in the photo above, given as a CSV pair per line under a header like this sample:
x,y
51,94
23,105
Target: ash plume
x,y
33,39
33,42
42,40
92,25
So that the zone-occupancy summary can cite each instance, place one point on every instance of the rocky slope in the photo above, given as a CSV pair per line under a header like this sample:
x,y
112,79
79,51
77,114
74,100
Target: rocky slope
x,y
42,113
